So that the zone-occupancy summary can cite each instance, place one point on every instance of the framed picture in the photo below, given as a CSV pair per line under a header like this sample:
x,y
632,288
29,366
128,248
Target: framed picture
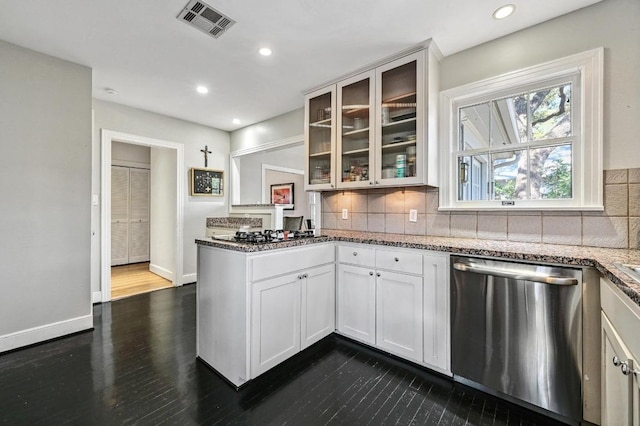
x,y
282,193
207,182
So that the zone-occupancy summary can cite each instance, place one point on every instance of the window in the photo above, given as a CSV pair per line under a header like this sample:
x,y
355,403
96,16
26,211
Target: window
x,y
531,139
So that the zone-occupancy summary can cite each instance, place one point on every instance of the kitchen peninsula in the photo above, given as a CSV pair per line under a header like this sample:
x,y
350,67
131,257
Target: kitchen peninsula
x,y
259,304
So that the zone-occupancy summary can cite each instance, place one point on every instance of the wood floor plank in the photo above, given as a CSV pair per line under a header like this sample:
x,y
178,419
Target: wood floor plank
x,y
133,279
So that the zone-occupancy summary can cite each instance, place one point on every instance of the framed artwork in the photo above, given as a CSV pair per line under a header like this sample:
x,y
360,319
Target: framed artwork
x,y
282,193
207,182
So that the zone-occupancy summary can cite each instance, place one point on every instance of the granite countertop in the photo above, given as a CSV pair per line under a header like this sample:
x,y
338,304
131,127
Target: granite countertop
x,y
233,222
602,259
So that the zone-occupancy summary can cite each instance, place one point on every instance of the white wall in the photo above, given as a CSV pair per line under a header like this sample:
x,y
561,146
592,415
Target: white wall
x,y
274,129
301,203
45,172
134,121
126,154
163,211
612,24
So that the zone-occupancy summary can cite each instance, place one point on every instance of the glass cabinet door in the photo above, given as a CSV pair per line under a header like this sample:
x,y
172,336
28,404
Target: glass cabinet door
x,y
399,120
320,138
355,131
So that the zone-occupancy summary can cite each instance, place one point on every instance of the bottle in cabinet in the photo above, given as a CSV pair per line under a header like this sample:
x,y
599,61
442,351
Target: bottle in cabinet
x,y
320,138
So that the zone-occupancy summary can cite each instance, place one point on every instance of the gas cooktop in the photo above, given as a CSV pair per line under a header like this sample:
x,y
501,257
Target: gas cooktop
x,y
266,236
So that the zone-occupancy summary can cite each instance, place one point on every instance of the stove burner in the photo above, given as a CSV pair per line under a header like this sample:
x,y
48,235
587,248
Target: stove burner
x,y
270,236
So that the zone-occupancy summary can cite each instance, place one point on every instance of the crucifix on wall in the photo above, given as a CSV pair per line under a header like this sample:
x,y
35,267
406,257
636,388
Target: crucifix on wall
x,y
206,153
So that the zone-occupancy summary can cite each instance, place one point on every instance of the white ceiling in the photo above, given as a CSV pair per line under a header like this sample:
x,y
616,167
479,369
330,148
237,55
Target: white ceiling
x,y
155,61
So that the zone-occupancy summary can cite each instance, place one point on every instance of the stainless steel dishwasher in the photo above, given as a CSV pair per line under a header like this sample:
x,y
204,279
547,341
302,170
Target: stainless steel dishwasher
x,y
517,331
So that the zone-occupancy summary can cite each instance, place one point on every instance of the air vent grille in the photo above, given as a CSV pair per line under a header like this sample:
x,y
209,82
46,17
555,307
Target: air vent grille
x,y
205,18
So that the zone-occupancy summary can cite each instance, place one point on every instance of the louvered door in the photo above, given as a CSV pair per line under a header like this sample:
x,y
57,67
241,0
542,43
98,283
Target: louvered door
x,y
119,215
129,215
139,216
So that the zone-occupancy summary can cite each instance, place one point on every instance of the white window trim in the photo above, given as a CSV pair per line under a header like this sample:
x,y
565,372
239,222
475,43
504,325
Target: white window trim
x,y
588,169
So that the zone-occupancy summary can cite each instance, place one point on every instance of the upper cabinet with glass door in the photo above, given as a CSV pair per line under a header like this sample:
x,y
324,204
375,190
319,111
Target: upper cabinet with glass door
x,y
356,121
320,139
385,127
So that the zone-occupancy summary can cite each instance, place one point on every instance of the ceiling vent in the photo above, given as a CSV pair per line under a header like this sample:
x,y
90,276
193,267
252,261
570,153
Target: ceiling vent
x,y
205,18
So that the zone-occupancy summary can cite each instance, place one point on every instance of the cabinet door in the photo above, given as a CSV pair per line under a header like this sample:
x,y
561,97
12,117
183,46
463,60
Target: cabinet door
x,y
355,134
400,136
618,391
320,139
437,328
275,322
318,304
399,314
357,303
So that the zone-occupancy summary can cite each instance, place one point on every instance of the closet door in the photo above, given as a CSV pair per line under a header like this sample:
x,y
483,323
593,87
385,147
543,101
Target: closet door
x,y
139,216
119,215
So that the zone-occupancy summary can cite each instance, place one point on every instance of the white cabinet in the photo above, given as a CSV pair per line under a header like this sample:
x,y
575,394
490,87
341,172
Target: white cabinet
x,y
255,310
318,310
399,314
436,338
275,322
620,355
293,311
377,128
396,300
357,303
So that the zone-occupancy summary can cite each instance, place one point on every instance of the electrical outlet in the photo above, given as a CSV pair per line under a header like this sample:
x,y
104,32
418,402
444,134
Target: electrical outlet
x,y
413,215
345,214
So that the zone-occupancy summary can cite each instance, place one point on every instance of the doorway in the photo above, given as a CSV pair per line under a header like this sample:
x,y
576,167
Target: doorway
x,y
170,162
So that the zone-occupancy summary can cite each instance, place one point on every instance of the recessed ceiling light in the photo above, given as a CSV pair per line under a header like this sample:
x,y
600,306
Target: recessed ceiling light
x,y
202,90
236,121
504,11
265,51
111,91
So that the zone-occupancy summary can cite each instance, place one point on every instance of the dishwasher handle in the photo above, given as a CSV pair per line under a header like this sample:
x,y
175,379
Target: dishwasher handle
x,y
515,274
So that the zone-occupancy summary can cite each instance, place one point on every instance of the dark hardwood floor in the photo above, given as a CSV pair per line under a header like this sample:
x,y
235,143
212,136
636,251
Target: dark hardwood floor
x,y
139,367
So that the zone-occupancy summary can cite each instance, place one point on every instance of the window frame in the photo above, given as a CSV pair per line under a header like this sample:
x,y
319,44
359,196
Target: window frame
x,y
587,144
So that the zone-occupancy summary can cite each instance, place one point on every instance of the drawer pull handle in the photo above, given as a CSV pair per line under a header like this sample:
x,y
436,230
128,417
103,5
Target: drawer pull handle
x,y
355,253
396,259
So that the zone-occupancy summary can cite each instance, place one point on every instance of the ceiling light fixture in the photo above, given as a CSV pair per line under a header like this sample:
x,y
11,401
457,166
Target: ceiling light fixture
x,y
504,11
111,91
265,51
236,121
202,90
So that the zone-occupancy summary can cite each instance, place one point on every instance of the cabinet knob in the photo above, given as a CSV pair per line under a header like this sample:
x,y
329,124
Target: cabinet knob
x,y
371,273
370,182
305,276
332,186
396,259
377,182
299,277
355,253
616,361
378,274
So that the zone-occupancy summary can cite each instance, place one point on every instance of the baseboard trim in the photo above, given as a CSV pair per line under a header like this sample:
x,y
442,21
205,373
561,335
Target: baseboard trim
x,y
164,273
45,332
189,278
96,297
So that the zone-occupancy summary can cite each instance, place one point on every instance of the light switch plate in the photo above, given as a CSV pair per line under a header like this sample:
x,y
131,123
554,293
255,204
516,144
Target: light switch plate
x,y
94,199
345,214
413,215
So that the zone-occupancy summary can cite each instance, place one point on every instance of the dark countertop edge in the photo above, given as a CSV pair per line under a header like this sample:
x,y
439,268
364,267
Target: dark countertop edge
x,y
606,268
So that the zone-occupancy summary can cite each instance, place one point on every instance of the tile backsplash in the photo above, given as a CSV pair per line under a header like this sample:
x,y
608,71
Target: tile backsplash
x,y
387,210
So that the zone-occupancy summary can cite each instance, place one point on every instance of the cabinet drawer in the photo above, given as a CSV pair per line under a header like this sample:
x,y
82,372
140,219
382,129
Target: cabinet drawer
x,y
294,259
400,261
357,255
